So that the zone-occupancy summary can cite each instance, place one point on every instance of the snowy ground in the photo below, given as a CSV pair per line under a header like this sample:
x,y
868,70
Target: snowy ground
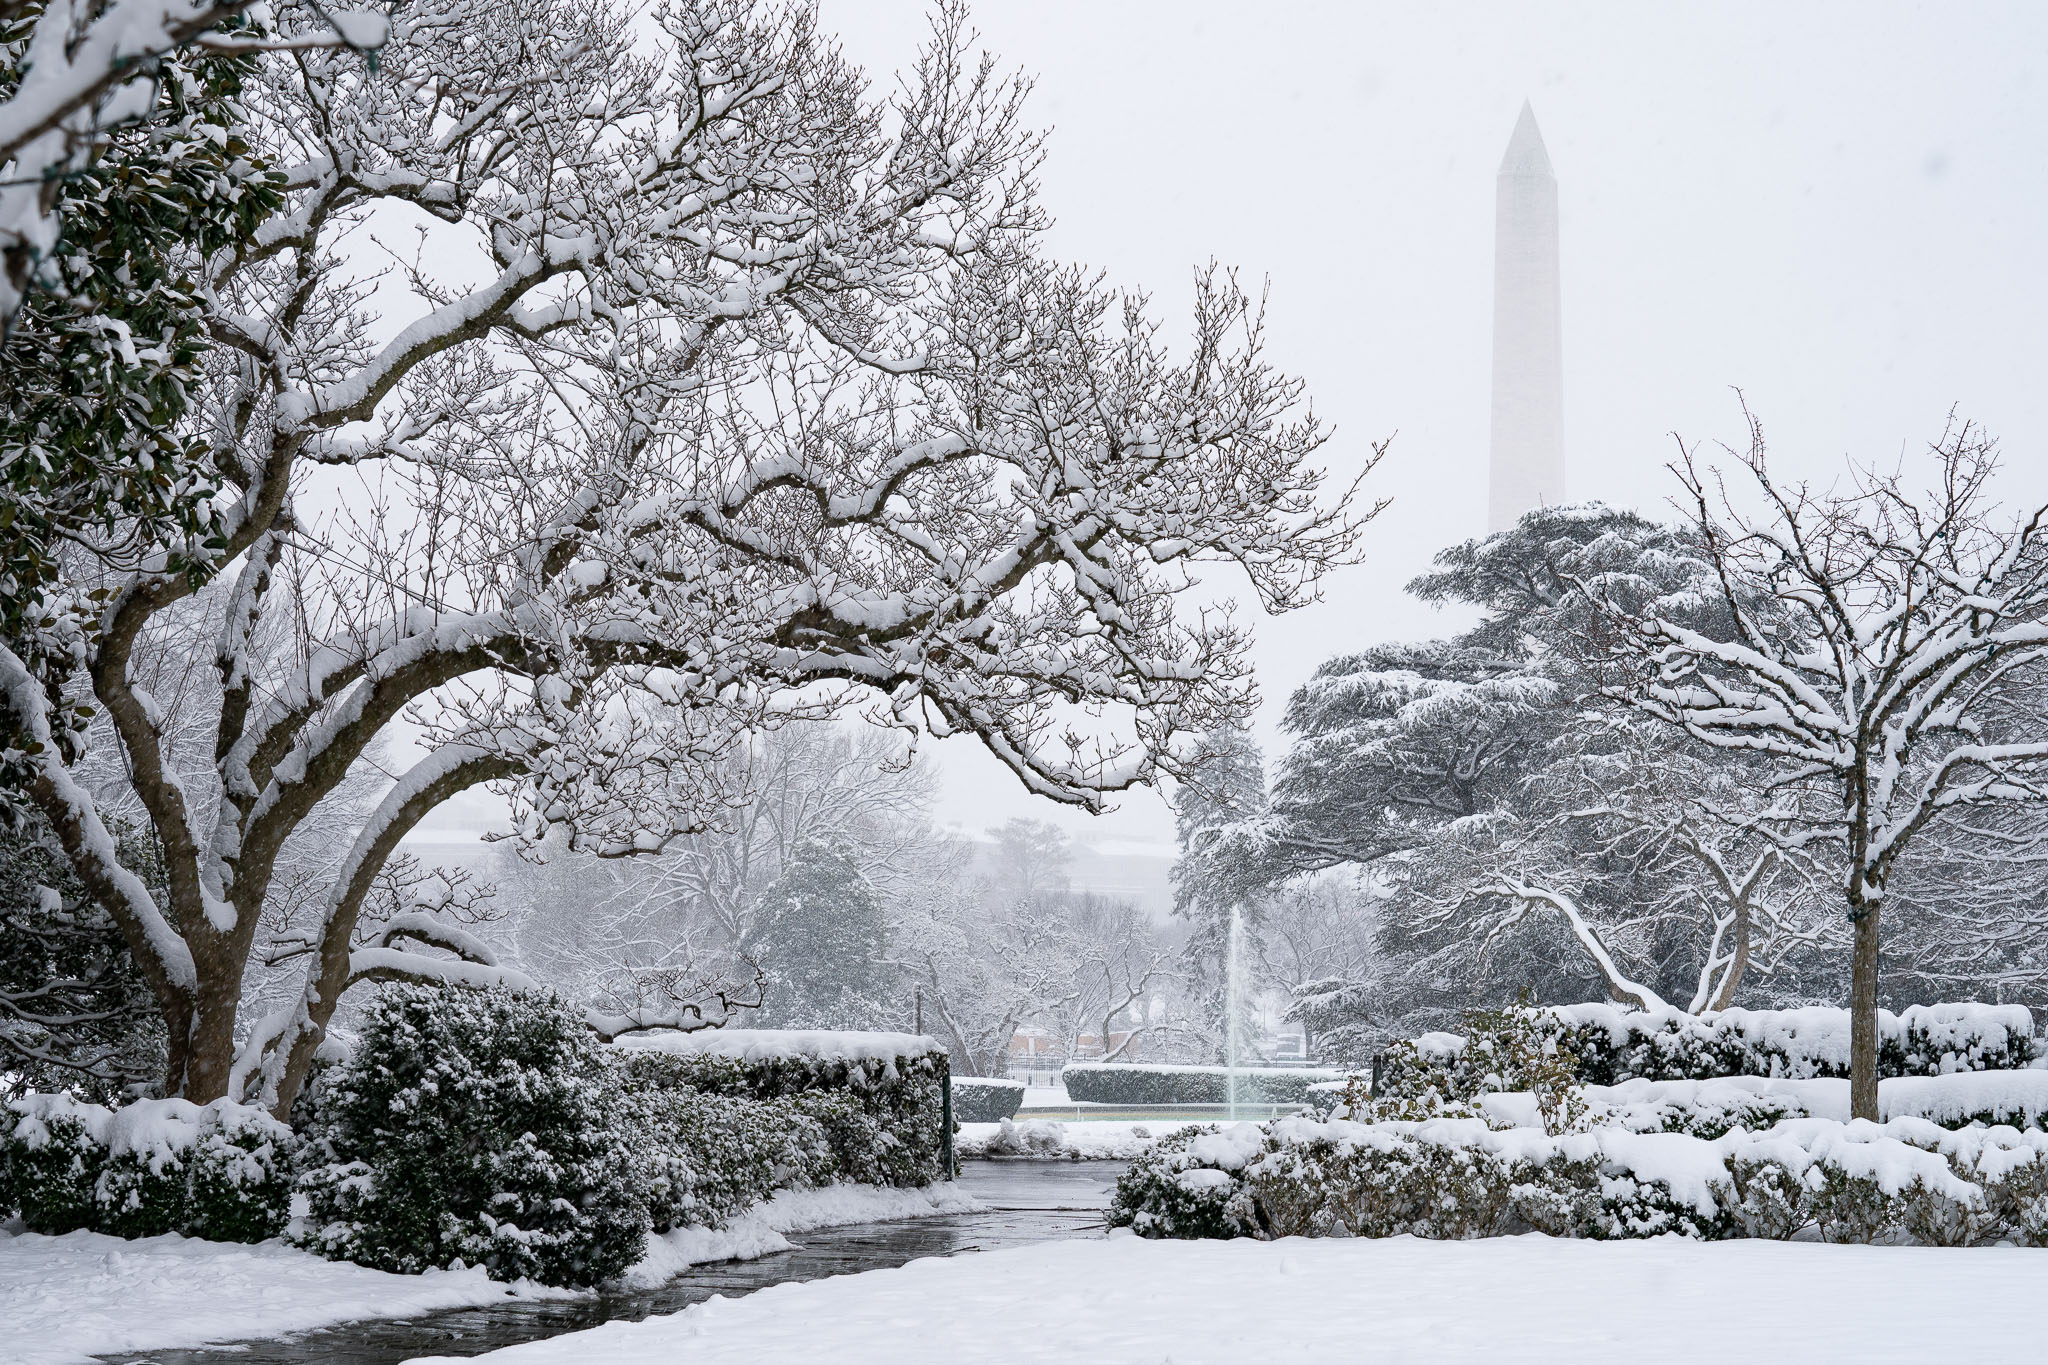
x,y
83,1294
64,1299
1530,1300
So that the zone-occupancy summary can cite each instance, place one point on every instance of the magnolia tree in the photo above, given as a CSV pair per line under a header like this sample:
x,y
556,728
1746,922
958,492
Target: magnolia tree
x,y
717,391
81,70
1884,652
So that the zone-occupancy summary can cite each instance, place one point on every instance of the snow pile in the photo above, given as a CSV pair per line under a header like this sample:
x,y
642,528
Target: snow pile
x,y
85,1293
1529,1300
767,1044
1088,1141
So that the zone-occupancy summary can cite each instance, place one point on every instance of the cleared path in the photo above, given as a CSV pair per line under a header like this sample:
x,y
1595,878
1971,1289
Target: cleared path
x,y
1028,1201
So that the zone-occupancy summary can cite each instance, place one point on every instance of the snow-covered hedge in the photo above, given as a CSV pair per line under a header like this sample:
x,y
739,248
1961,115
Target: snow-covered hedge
x,y
699,1160
1610,1045
877,1096
2015,1099
474,1126
1137,1083
984,1099
222,1171
1461,1178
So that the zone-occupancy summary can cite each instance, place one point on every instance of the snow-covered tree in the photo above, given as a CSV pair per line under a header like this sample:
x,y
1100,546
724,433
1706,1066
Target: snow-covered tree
x,y
1413,762
1891,676
624,932
994,953
721,391
1662,867
77,75
822,938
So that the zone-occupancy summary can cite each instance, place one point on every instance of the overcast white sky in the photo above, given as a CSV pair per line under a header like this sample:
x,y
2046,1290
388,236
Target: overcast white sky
x,y
1840,208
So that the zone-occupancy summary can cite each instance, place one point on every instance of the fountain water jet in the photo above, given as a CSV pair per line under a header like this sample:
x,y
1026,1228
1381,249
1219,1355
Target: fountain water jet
x,y
1233,1003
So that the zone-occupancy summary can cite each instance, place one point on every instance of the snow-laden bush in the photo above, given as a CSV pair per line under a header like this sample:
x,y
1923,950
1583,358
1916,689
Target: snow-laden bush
x,y
1189,1186
1141,1083
877,1096
239,1175
54,1150
474,1126
984,1099
222,1171
141,1188
1453,1178
1610,1045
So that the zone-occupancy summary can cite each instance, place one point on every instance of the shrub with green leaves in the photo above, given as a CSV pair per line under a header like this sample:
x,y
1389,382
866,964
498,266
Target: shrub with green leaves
x,y
1188,1186
983,1099
700,1159
54,1149
474,1126
1452,1178
222,1171
239,1176
1609,1044
1147,1083
884,1125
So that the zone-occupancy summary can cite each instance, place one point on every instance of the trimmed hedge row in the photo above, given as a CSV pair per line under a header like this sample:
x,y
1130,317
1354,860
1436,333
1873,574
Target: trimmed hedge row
x,y
1608,1045
2012,1099
1458,1178
881,1109
222,1172
1132,1083
984,1099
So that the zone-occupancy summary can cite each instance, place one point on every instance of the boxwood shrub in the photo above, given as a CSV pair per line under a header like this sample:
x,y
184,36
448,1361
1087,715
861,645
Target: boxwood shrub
x,y
984,1099
1608,1044
222,1171
1137,1083
876,1096
474,1126
1861,1182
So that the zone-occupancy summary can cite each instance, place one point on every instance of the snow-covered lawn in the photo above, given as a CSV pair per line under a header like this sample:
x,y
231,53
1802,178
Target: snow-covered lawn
x,y
1528,1300
64,1299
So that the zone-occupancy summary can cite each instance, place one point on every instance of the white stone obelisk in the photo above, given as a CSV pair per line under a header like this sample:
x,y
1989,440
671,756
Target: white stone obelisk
x,y
1528,343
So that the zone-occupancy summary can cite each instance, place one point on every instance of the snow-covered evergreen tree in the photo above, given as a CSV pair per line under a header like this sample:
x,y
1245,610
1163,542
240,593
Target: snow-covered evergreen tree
x,y
822,937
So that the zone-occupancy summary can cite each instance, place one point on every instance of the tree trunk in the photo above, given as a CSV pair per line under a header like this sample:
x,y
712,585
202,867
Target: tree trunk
x,y
1863,915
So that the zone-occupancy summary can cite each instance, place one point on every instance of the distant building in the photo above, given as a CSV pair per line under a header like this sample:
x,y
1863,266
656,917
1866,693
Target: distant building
x,y
1527,466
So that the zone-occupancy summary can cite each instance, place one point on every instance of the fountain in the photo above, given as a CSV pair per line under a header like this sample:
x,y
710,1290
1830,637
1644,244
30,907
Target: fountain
x,y
1233,1004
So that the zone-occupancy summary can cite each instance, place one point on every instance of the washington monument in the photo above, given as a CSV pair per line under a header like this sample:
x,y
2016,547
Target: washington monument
x,y
1528,346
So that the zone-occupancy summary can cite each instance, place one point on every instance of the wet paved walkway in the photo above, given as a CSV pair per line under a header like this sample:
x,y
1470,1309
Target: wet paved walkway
x,y
1028,1201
